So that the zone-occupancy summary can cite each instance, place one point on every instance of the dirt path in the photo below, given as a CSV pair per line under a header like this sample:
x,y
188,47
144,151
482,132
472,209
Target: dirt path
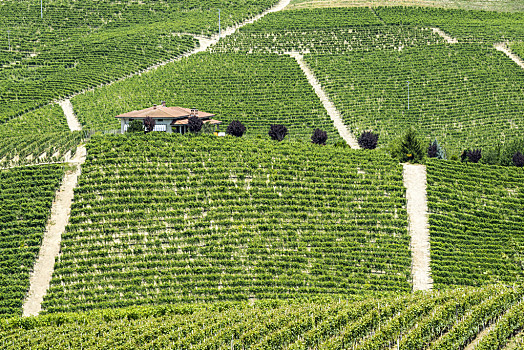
x,y
479,337
417,208
446,37
40,278
504,48
334,114
72,121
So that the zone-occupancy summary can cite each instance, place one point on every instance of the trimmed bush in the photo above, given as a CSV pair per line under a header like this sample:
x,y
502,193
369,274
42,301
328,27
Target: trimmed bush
x,y
277,132
518,159
368,140
319,137
195,124
236,128
474,155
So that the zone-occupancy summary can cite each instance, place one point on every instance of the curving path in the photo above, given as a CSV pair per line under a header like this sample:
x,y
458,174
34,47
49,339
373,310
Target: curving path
x,y
417,208
504,48
40,278
332,111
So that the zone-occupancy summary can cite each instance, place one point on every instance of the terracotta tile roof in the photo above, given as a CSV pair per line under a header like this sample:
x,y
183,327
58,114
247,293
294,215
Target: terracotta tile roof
x,y
160,112
184,121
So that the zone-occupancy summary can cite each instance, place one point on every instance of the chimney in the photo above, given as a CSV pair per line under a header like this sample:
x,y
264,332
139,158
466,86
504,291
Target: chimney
x,y
154,106
163,103
194,112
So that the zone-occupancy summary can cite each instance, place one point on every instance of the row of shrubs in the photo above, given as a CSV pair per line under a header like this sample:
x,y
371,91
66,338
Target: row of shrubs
x,y
408,148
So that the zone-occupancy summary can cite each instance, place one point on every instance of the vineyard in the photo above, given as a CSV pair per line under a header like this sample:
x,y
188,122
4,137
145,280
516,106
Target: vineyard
x,y
475,223
205,242
258,90
26,196
467,26
77,45
40,136
463,94
169,218
442,320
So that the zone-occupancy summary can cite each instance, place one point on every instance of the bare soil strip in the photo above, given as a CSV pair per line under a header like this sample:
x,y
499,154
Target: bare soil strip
x,y
479,337
446,37
504,48
43,270
334,114
72,121
417,208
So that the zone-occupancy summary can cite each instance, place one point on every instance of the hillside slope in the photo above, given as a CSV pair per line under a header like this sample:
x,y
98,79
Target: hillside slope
x,y
436,320
167,218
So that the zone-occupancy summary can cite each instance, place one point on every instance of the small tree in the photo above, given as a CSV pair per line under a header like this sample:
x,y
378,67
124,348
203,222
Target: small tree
x,y
135,126
518,159
436,151
474,155
368,140
149,124
277,132
195,124
410,148
319,137
236,128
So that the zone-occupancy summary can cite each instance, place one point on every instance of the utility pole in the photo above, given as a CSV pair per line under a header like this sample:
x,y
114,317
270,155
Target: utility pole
x,y
408,95
219,24
41,9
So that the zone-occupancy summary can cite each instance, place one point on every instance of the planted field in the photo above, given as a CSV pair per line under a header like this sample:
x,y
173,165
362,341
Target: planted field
x,y
80,44
475,223
258,90
26,194
327,40
436,320
467,26
464,95
99,58
39,136
167,218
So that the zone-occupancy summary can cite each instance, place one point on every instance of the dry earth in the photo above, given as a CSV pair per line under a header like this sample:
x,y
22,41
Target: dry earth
x,y
417,208
332,111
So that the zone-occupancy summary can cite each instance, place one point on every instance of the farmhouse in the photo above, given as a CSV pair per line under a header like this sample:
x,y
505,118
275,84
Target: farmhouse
x,y
168,119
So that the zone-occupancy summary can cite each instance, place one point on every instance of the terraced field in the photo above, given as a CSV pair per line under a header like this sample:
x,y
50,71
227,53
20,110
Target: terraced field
x,y
219,220
26,194
475,223
258,90
442,320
